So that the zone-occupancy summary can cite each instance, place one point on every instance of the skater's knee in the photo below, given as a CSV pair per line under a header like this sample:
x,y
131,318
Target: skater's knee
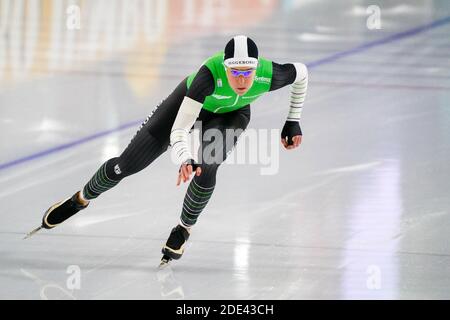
x,y
209,167
115,169
207,177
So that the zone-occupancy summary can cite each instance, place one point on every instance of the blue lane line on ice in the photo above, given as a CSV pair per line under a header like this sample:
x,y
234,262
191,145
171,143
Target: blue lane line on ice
x,y
311,65
68,145
380,42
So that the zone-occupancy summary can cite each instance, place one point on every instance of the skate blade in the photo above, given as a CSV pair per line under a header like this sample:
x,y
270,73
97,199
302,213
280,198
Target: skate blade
x,y
29,234
164,263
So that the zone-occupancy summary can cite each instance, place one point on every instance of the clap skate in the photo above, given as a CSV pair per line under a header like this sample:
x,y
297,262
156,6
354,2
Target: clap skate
x,y
174,247
59,212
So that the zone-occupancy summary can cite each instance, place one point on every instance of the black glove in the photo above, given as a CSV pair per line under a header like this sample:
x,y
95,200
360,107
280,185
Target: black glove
x,y
191,162
290,130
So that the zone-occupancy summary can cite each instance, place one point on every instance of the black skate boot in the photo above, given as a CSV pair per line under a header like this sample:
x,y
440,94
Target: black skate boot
x,y
62,211
174,247
58,213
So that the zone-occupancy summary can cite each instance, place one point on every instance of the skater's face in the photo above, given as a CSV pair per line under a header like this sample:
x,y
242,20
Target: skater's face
x,y
240,79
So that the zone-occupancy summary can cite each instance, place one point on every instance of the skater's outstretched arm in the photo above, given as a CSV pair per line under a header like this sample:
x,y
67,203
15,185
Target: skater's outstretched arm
x,y
297,75
201,86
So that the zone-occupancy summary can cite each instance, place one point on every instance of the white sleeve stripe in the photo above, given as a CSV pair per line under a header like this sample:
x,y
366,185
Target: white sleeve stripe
x,y
299,84
302,72
178,129
298,92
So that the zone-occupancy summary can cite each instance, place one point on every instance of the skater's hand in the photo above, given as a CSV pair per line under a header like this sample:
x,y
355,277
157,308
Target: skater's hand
x,y
186,171
296,140
291,135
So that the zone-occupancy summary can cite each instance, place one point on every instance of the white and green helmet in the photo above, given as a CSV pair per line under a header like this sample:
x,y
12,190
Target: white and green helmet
x,y
241,51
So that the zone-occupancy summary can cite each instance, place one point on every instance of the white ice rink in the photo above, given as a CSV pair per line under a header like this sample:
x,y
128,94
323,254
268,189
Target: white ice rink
x,y
360,211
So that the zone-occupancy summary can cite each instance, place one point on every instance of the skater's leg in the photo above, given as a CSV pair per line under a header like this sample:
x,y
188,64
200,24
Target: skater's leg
x,y
151,140
140,153
198,193
201,187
